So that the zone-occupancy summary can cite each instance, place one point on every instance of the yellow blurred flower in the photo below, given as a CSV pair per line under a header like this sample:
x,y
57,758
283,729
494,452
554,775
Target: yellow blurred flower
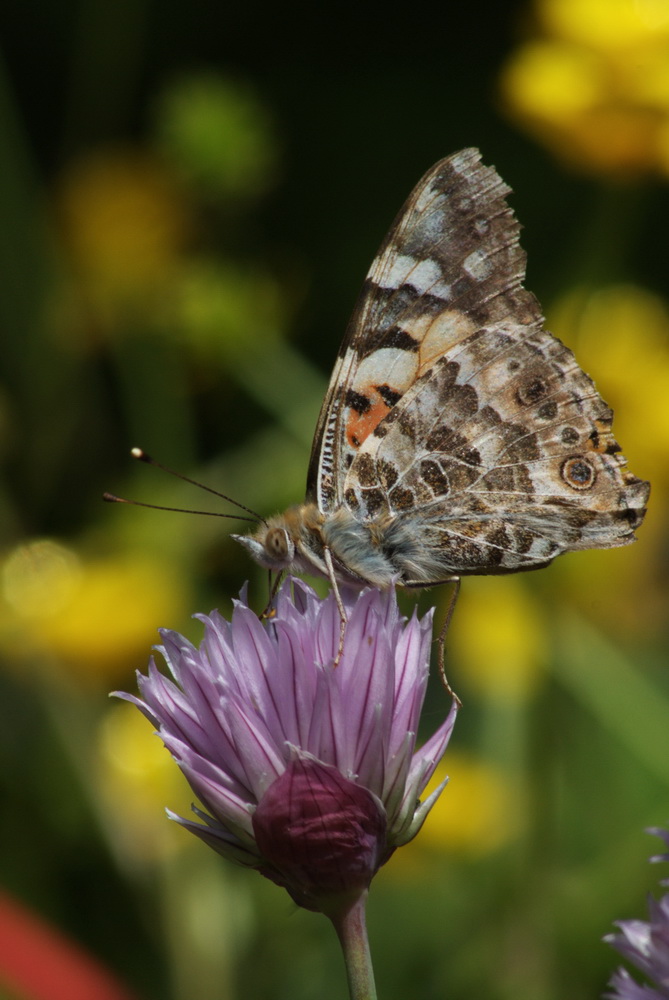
x,y
497,641
136,780
124,225
593,84
95,617
609,24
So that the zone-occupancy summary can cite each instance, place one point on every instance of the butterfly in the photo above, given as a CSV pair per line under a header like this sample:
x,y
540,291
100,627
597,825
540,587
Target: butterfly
x,y
457,436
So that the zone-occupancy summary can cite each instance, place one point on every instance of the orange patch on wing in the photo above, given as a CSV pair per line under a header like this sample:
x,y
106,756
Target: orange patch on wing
x,y
360,425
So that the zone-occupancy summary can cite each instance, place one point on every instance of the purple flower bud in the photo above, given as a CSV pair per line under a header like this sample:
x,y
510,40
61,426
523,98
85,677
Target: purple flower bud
x,y
320,833
308,771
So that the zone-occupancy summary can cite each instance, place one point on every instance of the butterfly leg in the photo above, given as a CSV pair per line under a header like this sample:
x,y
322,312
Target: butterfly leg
x,y
441,638
269,610
340,604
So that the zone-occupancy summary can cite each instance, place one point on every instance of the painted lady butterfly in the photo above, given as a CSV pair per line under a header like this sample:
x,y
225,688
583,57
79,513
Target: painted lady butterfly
x,y
457,436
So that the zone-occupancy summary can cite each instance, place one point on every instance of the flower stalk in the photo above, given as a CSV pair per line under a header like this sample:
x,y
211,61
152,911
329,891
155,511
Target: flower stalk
x,y
351,927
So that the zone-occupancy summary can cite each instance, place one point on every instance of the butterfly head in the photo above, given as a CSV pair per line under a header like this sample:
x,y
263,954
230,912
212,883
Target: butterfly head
x,y
291,540
271,546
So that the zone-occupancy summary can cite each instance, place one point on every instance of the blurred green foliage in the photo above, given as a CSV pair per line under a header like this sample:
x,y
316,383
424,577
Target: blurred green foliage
x,y
190,198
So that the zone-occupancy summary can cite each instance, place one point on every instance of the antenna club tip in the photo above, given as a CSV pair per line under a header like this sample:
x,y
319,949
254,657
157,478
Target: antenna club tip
x,y
111,498
140,454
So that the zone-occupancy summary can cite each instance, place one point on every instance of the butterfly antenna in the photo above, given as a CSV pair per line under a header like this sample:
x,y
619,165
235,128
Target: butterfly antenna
x,y
143,456
112,498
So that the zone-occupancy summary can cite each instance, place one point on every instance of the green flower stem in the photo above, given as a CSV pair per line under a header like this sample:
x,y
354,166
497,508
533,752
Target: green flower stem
x,y
351,927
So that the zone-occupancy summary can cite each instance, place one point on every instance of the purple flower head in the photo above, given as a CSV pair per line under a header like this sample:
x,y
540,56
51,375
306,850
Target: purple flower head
x,y
646,945
308,771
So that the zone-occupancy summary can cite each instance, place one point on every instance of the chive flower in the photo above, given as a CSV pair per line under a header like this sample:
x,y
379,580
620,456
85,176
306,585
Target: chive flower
x,y
307,768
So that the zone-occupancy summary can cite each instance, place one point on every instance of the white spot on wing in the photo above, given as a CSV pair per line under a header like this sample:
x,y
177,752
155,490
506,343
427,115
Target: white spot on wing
x,y
424,275
427,197
463,163
478,265
387,366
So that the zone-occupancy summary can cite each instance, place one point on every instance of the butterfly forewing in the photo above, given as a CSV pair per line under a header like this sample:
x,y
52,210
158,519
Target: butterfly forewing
x,y
452,251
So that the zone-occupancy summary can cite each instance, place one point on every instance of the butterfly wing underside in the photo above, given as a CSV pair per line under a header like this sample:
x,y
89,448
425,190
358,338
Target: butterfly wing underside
x,y
452,415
